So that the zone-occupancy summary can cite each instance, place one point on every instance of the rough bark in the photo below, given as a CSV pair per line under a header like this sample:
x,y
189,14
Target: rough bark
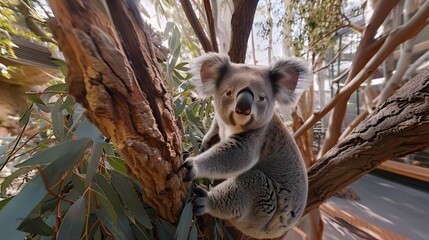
x,y
112,72
396,128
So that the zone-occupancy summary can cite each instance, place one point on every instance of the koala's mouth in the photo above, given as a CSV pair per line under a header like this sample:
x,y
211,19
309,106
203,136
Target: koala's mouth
x,y
241,120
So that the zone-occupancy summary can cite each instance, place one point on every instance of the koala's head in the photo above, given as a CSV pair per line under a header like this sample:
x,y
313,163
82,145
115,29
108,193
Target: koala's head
x,y
245,95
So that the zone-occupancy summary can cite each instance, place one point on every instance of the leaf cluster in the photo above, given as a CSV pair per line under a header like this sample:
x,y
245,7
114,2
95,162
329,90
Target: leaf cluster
x,y
73,183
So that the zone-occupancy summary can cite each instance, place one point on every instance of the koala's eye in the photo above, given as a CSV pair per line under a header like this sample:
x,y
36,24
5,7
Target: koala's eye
x,y
261,98
228,93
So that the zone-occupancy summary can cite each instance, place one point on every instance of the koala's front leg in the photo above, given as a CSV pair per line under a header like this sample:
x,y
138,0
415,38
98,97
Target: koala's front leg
x,y
228,158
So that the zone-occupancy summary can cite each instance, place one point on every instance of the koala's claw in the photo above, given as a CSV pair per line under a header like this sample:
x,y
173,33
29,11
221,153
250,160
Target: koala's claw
x,y
200,192
190,175
200,202
186,154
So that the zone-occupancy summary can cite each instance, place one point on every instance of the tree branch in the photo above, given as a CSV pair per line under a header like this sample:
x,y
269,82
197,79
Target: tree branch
x,y
390,42
399,127
211,23
334,58
365,51
195,23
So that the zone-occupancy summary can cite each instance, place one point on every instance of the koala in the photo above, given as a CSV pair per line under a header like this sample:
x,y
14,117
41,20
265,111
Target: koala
x,y
265,185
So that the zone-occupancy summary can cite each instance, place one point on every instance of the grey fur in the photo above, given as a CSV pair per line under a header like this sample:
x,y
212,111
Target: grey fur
x,y
266,184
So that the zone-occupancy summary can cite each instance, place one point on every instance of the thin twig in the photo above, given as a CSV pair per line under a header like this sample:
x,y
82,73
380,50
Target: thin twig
x,y
341,76
16,143
45,182
334,58
328,34
44,92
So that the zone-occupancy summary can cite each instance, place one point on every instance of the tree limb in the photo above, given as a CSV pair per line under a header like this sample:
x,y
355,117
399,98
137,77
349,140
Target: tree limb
x,y
365,51
195,23
390,42
399,127
211,23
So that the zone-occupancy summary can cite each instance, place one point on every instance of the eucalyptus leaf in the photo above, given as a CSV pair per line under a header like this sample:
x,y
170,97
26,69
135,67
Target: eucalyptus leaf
x,y
194,143
9,179
107,221
74,220
67,149
108,149
57,120
125,190
117,163
164,231
17,210
168,28
194,232
139,233
4,202
110,193
67,103
35,99
25,117
93,161
36,226
57,87
185,223
3,149
104,202
179,108
181,66
78,184
87,129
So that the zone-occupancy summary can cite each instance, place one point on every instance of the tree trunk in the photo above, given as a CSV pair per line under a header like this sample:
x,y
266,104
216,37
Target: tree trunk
x,y
398,127
117,80
241,25
114,75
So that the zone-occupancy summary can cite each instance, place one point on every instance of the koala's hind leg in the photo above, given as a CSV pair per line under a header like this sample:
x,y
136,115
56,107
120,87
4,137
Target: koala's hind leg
x,y
248,201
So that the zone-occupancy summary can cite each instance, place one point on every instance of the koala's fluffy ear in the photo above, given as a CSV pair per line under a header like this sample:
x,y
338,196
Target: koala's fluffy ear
x,y
208,70
289,79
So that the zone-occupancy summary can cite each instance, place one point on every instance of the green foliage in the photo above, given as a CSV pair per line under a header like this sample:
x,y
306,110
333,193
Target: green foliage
x,y
20,19
172,12
75,182
196,114
313,24
64,180
7,18
69,182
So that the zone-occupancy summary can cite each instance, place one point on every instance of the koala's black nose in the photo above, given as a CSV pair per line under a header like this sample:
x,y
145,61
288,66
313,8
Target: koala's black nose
x,y
244,102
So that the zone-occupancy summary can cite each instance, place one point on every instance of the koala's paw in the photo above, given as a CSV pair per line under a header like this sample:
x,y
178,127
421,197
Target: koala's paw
x,y
191,172
201,201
